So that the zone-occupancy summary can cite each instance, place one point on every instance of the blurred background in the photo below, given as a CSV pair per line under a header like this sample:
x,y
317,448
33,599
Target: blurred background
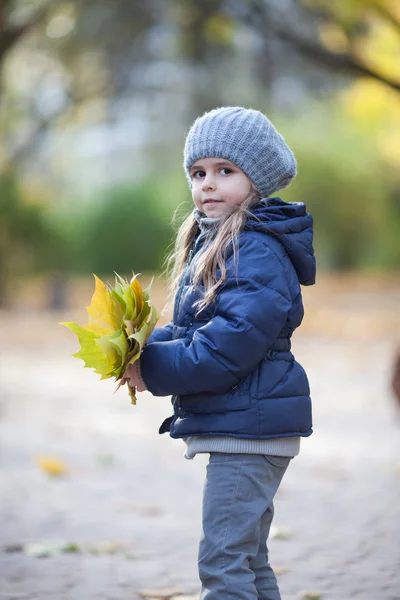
x,y
95,100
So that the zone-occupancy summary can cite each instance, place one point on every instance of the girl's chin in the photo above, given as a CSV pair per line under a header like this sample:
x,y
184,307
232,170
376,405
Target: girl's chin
x,y
213,208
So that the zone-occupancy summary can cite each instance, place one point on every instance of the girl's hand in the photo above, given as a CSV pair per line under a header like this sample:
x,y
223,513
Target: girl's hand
x,y
133,376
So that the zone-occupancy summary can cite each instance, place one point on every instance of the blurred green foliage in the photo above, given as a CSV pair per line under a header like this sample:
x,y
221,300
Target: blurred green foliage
x,y
352,193
127,228
29,241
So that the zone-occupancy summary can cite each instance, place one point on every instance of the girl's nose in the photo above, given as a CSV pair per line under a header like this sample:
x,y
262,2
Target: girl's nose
x,y
208,183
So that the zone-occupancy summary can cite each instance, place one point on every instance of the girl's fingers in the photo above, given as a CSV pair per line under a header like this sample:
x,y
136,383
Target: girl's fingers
x,y
130,371
129,376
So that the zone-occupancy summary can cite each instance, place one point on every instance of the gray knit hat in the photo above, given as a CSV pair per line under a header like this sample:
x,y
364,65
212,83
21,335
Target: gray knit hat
x,y
247,138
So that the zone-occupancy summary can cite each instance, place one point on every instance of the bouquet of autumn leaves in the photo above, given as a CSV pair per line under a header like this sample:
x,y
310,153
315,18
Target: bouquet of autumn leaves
x,y
120,322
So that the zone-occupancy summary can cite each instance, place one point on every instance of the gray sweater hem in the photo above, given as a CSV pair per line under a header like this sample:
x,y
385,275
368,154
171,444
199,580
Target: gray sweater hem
x,y
287,446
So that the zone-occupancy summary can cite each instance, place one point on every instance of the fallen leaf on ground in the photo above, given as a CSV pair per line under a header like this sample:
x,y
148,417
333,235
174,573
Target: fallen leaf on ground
x,y
281,570
52,466
148,511
45,549
106,548
277,533
105,460
311,596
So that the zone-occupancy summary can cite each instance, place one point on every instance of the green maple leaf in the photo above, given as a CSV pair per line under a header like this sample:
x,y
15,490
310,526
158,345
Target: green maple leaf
x,y
92,353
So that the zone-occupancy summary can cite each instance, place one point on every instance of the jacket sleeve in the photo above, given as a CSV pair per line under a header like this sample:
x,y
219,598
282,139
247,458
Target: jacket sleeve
x,y
161,334
251,310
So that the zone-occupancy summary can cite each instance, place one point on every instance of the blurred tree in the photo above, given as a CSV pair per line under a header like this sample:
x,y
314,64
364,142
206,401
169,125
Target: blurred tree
x,y
129,230
340,36
28,242
12,31
87,51
350,190
340,32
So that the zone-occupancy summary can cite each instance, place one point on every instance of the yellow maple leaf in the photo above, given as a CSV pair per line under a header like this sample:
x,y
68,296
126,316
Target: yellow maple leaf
x,y
105,312
52,466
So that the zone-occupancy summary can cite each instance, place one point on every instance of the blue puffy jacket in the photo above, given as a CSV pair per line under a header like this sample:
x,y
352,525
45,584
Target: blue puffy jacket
x,y
230,370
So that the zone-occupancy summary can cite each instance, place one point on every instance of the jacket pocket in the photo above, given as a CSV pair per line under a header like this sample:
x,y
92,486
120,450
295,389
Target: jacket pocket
x,y
280,462
269,377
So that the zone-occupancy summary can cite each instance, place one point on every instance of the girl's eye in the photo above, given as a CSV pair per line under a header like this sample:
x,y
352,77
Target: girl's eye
x,y
198,174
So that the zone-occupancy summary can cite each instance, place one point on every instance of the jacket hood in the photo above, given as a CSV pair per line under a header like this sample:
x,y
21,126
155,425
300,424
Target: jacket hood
x,y
292,226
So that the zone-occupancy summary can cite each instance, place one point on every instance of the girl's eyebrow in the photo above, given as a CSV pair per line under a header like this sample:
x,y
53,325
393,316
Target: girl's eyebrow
x,y
216,164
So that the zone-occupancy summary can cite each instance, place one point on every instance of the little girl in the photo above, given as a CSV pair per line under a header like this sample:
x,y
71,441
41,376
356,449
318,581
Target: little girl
x,y
237,391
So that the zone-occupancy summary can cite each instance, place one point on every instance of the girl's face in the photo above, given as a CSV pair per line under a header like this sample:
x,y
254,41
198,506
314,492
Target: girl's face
x,y
216,184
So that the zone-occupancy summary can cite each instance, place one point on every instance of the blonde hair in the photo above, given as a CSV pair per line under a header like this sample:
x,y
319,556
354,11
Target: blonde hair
x,y
213,254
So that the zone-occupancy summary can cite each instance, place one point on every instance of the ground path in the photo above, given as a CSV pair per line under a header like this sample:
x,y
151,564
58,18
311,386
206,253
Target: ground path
x,y
131,502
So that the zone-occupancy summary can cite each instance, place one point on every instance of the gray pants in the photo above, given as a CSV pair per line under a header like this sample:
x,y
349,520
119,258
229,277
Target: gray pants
x,y
237,514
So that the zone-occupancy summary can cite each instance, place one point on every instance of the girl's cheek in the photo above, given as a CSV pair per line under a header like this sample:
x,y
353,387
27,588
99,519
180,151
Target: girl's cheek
x,y
196,185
